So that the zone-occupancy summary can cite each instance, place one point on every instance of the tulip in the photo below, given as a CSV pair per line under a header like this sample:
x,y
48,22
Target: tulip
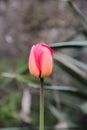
x,y
40,60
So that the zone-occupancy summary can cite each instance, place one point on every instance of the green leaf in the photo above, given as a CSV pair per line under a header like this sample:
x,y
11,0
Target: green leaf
x,y
71,69
67,103
10,79
75,62
23,78
79,13
22,69
71,91
62,116
69,44
5,82
32,81
16,128
84,107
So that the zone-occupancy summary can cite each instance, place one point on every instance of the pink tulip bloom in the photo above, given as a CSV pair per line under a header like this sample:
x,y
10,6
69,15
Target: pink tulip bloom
x,y
40,60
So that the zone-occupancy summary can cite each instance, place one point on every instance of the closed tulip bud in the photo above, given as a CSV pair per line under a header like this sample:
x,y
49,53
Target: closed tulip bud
x,y
40,60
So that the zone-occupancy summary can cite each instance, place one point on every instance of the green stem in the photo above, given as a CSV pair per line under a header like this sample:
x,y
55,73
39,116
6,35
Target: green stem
x,y
41,105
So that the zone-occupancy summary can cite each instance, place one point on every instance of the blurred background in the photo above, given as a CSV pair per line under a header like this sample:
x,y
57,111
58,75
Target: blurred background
x,y
63,25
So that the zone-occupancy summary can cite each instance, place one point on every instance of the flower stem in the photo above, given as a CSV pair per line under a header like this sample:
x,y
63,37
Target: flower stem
x,y
41,104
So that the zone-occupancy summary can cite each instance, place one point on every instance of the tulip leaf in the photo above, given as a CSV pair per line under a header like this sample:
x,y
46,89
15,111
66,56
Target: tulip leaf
x,y
16,128
82,17
70,68
69,104
69,44
10,79
22,69
75,62
71,91
23,78
62,116
84,107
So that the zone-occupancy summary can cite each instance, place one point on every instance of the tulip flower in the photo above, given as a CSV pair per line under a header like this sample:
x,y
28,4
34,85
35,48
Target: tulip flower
x,y
40,65
40,60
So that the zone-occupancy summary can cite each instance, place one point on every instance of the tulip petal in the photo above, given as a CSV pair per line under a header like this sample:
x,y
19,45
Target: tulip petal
x,y
45,45
38,56
40,60
32,63
46,65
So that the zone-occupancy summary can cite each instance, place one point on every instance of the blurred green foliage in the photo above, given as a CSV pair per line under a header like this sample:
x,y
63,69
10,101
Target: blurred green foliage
x,y
70,104
11,104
